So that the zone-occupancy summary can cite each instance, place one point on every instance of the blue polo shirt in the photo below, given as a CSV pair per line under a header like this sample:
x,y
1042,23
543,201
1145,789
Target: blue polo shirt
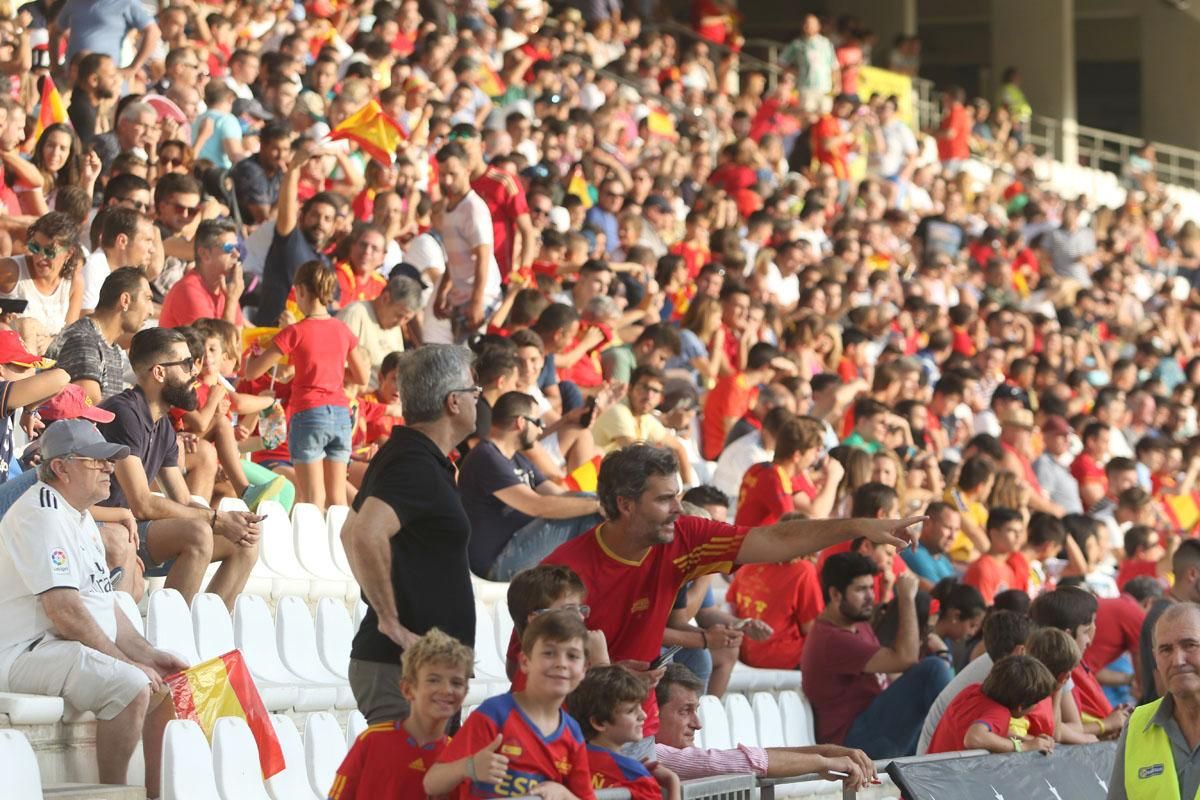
x,y
928,566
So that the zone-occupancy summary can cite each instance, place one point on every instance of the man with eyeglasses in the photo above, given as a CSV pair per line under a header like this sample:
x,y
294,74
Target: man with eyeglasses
x,y
61,632
518,516
178,538
603,215
406,537
211,290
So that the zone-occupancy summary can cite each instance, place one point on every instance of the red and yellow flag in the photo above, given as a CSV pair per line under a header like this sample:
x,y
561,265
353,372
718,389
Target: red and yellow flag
x,y
222,687
375,132
52,108
585,476
660,123
490,83
578,186
1182,510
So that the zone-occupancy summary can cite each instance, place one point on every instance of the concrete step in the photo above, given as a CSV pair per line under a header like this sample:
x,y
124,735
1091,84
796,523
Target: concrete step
x,y
89,791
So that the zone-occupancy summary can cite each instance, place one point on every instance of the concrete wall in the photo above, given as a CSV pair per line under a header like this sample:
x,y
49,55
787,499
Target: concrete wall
x,y
1170,65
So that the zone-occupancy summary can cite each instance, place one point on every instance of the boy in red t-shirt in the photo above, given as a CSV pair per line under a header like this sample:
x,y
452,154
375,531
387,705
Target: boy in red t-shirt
x,y
1060,654
608,707
992,573
980,716
378,412
1144,555
390,759
517,741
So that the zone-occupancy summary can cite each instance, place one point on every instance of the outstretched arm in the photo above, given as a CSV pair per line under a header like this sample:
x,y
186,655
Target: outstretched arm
x,y
783,541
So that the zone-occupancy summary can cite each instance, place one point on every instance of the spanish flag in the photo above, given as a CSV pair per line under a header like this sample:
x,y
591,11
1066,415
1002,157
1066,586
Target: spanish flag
x,y
660,123
585,476
52,108
375,132
489,82
1182,510
578,186
222,687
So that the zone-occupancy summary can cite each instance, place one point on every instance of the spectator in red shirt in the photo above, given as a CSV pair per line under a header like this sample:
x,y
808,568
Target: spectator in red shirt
x,y
1144,556
833,139
954,134
1088,466
733,396
211,290
991,573
980,716
1118,630
644,552
505,198
845,668
358,276
735,320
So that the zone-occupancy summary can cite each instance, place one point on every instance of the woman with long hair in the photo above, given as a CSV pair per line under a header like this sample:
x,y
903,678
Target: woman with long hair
x,y
48,277
58,155
699,332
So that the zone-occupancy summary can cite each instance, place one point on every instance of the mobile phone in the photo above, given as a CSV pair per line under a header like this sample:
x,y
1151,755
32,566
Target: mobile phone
x,y
586,420
741,623
666,657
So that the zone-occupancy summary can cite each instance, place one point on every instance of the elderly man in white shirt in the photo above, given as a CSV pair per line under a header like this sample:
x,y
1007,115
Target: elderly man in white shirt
x,y
61,632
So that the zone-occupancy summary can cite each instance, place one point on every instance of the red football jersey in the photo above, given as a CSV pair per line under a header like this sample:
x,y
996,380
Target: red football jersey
x,y
765,495
971,706
1088,695
506,200
532,758
385,761
614,771
631,600
785,596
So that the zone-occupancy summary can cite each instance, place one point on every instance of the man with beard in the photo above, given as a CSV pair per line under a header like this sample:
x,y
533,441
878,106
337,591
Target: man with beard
x,y
96,79
178,538
301,235
517,515
845,667
645,551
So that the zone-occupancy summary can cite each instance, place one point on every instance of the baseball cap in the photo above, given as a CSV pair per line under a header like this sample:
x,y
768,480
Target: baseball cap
x,y
1018,417
77,437
73,403
408,271
657,201
1055,425
252,108
12,351
1006,391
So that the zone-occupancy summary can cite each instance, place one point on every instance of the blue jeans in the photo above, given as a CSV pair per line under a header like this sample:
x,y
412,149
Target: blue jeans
x,y
538,539
12,489
891,726
320,434
699,661
1120,694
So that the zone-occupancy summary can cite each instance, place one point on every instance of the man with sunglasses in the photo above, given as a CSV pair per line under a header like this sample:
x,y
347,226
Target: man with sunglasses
x,y
179,538
518,516
211,290
61,630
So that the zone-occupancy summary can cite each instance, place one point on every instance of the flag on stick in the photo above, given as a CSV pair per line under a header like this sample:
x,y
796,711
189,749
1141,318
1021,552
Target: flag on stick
x,y
375,132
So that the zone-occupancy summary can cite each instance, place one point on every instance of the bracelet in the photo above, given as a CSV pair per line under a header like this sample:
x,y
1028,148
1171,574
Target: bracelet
x,y
1017,746
704,638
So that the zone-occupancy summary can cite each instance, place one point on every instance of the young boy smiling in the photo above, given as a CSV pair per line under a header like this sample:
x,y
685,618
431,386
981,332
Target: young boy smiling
x,y
608,707
390,759
522,742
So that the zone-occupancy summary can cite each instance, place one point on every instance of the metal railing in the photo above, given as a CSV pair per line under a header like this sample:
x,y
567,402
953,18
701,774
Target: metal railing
x,y
721,787
767,786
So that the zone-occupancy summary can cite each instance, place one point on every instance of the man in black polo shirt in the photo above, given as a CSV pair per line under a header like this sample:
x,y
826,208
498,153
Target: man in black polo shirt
x,y
177,538
301,235
406,538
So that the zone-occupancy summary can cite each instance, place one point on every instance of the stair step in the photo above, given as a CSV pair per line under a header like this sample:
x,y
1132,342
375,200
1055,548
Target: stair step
x,y
91,791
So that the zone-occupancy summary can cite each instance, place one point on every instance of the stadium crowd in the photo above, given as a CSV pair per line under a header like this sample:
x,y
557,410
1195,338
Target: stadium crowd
x,y
556,297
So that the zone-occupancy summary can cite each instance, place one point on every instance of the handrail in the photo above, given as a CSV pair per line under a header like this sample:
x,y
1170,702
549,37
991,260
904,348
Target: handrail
x,y
767,785
679,28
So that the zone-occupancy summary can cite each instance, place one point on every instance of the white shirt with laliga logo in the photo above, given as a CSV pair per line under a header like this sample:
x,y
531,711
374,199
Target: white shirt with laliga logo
x,y
46,544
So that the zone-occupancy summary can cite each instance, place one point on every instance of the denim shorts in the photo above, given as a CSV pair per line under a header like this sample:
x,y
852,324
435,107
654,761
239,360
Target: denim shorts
x,y
320,434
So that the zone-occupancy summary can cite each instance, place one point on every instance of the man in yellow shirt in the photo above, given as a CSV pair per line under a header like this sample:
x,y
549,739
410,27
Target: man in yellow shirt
x,y
633,420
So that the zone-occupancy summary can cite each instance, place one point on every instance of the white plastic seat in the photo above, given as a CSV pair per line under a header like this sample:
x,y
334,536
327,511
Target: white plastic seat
x,y
768,720
504,628
254,633
22,781
263,580
277,550
490,591
741,719
715,724
235,761
292,782
296,638
335,634
187,765
360,611
324,750
214,637
356,723
797,719
489,663
169,625
129,606
31,709
335,518
310,536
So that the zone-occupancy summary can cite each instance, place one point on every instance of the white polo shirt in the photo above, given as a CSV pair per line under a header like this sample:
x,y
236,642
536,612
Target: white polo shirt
x,y
46,544
465,227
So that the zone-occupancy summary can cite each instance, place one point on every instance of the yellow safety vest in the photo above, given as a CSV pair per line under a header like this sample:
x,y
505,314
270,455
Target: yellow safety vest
x,y
1149,765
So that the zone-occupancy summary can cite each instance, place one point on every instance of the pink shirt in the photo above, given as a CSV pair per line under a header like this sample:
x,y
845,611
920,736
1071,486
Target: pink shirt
x,y
695,762
190,300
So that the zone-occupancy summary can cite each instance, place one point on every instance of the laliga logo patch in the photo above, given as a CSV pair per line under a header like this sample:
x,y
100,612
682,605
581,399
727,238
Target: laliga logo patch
x,y
1152,771
58,560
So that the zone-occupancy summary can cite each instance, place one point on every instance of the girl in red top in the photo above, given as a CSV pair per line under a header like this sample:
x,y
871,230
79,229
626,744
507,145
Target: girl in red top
x,y
980,716
323,353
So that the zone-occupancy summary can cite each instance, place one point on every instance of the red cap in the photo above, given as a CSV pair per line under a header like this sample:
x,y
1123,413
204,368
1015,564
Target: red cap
x,y
12,351
1055,425
73,403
